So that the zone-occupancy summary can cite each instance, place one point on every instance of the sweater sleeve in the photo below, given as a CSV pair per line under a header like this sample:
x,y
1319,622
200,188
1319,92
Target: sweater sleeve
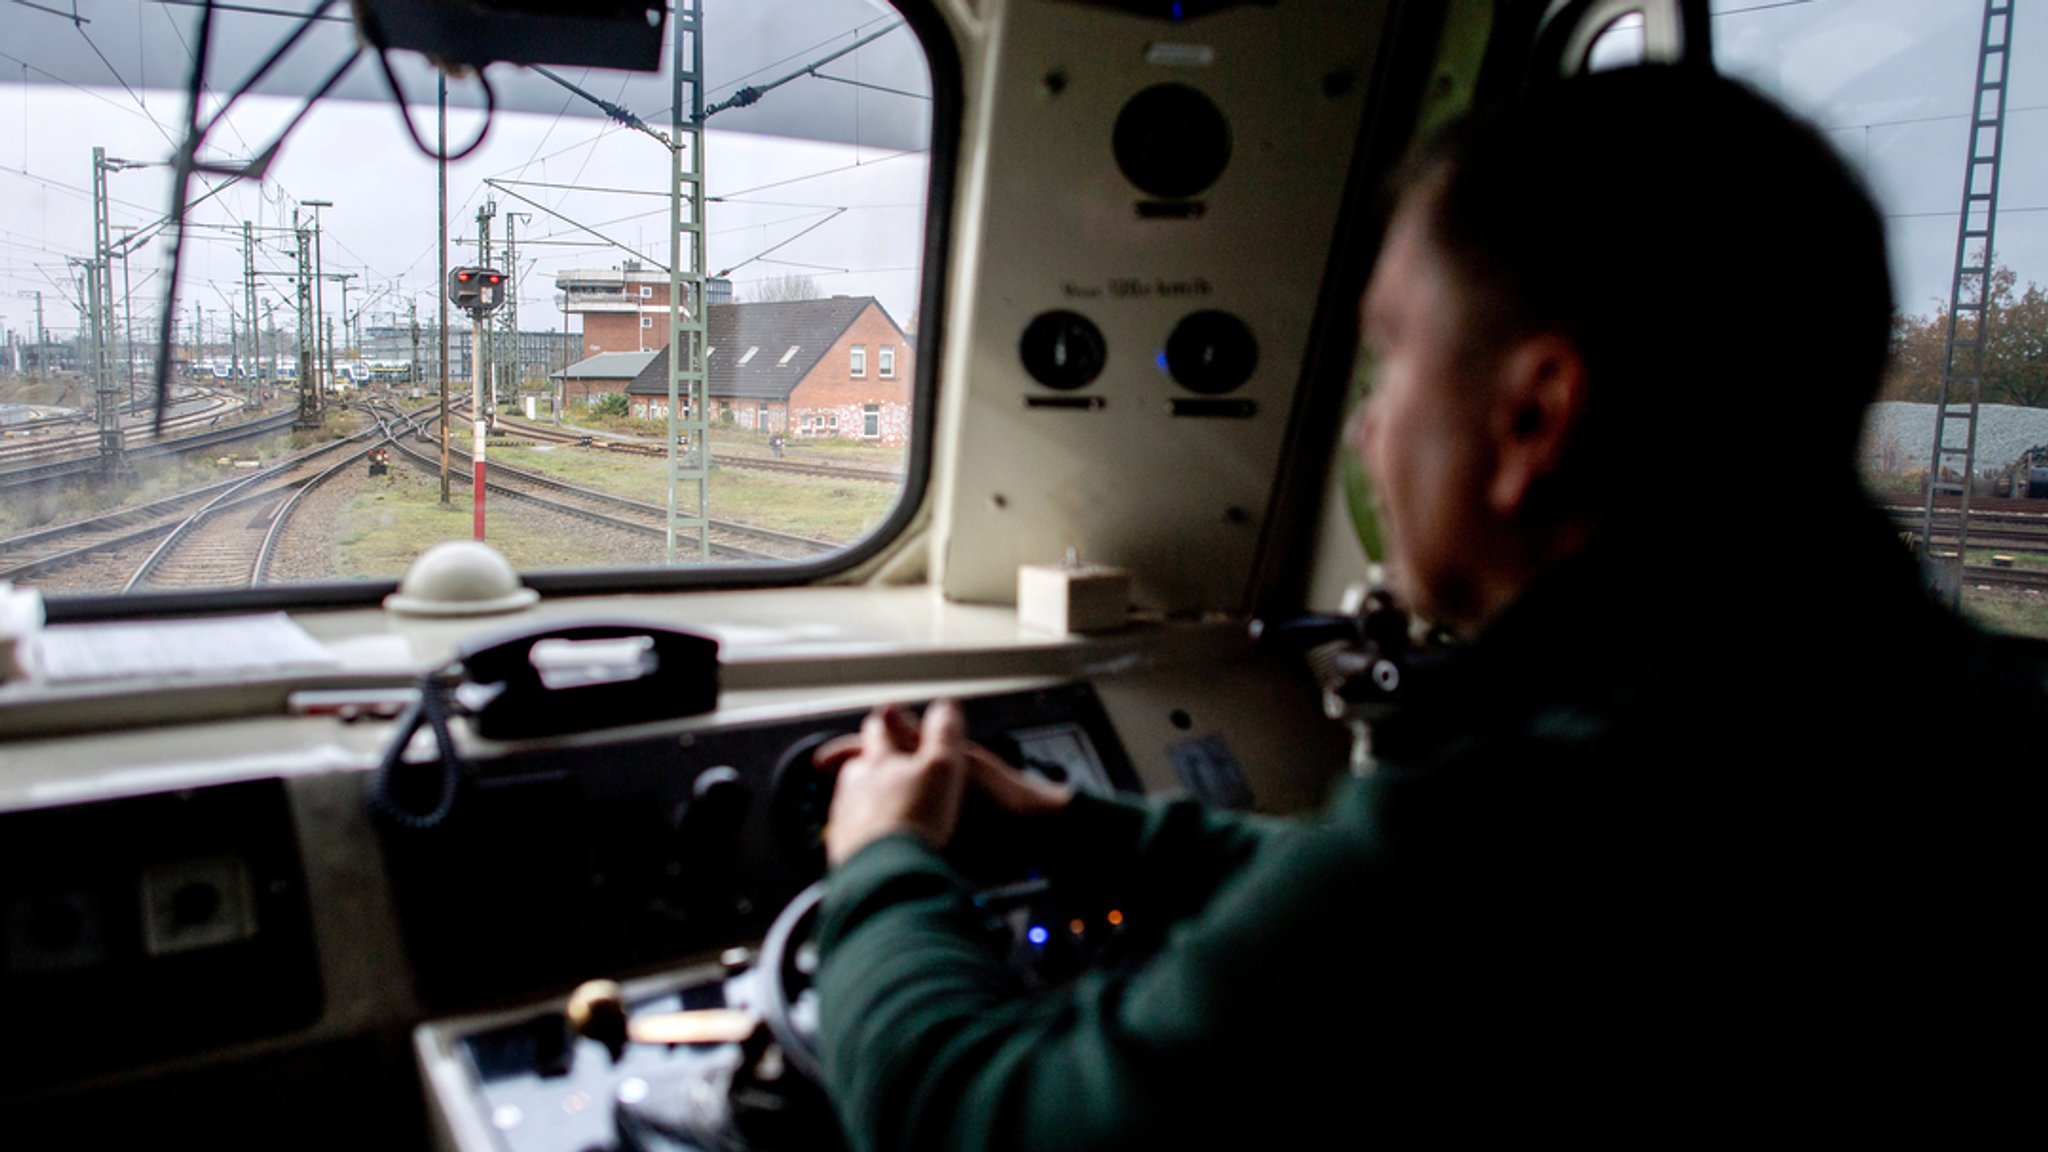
x,y
930,1040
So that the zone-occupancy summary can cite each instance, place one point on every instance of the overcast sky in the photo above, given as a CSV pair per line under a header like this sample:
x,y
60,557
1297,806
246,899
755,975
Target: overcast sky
x,y
835,193
1890,79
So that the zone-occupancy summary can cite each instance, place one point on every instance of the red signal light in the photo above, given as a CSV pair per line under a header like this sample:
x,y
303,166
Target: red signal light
x,y
462,276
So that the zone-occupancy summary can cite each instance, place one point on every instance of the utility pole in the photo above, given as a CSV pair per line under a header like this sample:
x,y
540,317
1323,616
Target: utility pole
x,y
510,324
324,353
412,371
127,320
441,335
255,377
344,278
309,388
1969,308
266,367
99,275
686,286
480,337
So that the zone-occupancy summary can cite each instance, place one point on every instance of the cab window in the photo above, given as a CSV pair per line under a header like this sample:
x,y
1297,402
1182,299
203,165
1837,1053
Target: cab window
x,y
308,335
1897,87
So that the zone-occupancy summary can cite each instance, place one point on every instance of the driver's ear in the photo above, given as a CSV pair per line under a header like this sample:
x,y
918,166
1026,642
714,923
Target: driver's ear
x,y
1539,398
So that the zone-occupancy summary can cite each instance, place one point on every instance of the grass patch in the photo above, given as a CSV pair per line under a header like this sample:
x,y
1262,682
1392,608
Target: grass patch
x,y
388,525
1981,558
836,450
836,510
78,497
37,391
2017,611
749,443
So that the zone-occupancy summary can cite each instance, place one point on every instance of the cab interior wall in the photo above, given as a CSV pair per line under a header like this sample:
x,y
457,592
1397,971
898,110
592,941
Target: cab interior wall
x,y
1212,513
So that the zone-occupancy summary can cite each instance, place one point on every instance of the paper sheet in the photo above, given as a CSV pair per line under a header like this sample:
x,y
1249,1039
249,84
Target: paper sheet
x,y
216,646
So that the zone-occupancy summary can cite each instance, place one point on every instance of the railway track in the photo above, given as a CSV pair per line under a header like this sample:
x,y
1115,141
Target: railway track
x,y
196,541
730,541
212,437
71,435
540,434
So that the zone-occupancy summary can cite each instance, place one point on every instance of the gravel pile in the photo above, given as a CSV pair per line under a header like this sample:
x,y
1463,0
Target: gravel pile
x,y
1899,437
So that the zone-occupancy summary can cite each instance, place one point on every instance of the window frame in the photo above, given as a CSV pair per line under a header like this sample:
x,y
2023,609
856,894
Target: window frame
x,y
857,361
942,59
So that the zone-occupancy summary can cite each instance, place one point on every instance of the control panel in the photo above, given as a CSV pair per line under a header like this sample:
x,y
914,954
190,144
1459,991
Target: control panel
x,y
149,927
1144,291
717,1055
560,861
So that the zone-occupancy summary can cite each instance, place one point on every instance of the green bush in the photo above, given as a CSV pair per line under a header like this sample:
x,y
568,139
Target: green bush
x,y
614,404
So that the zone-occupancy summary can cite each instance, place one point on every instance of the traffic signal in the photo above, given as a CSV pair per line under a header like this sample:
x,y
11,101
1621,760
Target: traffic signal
x,y
476,290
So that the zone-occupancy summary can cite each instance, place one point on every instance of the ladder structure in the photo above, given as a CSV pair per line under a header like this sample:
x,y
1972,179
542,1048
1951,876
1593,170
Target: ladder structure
x,y
1969,308
310,415
689,454
99,297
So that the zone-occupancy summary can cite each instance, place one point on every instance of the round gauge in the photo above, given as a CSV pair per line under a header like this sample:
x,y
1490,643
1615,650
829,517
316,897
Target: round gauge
x,y
1171,141
800,801
1062,350
1211,353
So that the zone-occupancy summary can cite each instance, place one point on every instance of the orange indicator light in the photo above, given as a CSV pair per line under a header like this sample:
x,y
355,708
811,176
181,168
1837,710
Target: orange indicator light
x,y
1115,917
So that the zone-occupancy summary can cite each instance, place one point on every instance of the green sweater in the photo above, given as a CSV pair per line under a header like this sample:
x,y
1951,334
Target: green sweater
x,y
1638,863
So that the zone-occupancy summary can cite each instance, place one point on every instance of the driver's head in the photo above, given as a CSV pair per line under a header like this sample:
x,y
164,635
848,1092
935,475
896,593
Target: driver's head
x,y
1642,293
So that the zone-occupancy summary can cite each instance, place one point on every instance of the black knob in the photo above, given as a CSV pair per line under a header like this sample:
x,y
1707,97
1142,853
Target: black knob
x,y
1062,350
1171,141
1211,353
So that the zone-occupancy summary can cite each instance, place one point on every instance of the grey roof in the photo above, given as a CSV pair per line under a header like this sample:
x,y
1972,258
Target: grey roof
x,y
607,366
810,327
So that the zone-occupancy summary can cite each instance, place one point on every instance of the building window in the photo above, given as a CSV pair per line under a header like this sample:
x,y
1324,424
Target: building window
x,y
647,321
749,354
787,356
646,293
857,361
885,361
871,421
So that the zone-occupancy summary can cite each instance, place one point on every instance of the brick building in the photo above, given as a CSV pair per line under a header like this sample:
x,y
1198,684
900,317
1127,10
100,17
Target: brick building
x,y
839,367
624,309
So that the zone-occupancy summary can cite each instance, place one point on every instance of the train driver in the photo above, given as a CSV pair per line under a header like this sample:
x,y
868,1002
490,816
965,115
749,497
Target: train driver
x,y
1717,820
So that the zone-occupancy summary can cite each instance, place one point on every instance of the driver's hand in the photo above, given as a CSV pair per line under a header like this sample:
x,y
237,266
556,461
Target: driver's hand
x,y
900,775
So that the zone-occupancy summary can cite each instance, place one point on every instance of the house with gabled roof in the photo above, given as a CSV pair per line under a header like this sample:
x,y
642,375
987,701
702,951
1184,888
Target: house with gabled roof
x,y
837,367
587,379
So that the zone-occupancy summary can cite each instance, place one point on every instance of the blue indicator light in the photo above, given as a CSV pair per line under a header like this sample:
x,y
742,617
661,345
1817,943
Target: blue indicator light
x,y
1037,935
1176,11
1160,359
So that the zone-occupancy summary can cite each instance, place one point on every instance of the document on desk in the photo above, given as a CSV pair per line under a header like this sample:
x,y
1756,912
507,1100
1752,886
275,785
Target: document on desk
x,y
210,647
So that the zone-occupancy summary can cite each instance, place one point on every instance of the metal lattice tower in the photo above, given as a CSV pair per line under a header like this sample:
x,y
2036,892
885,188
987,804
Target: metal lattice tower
x,y
1969,306
309,387
511,371
100,303
485,348
255,337
688,416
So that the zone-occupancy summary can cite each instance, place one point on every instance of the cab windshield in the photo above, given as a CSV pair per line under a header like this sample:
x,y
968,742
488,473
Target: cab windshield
x,y
684,339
